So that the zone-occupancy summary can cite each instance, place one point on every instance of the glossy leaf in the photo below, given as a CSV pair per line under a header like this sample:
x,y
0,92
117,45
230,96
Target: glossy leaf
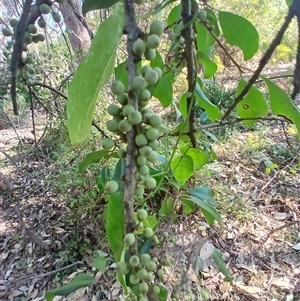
x,y
121,73
204,193
90,76
217,255
104,177
174,15
205,41
81,280
115,223
183,106
164,91
163,293
253,104
90,5
200,158
213,111
119,169
213,21
93,157
209,66
182,168
100,263
282,105
240,32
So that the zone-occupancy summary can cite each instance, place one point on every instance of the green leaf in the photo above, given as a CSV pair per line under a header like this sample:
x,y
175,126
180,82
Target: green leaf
x,y
166,206
90,5
213,21
93,157
163,293
205,41
282,105
119,169
289,2
182,168
240,32
253,104
200,158
164,91
213,111
121,73
209,66
217,255
115,223
208,210
183,105
104,177
100,263
174,15
79,281
92,73
204,193
188,206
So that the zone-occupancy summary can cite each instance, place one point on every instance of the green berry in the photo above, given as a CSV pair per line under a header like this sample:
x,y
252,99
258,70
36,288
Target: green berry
x,y
150,183
141,160
19,85
144,288
151,265
133,279
143,170
144,95
45,9
158,71
141,214
139,83
139,191
32,29
172,36
122,153
150,54
6,32
123,99
148,232
108,143
154,145
165,234
141,273
28,37
121,267
146,151
117,87
138,2
29,82
128,109
26,75
29,59
202,15
25,89
141,140
156,27
111,186
125,126
145,259
134,261
56,17
155,289
29,69
152,134
153,41
112,126
145,69
160,273
139,47
129,239
167,262
13,22
135,117
151,77
40,37
152,157
155,121
113,110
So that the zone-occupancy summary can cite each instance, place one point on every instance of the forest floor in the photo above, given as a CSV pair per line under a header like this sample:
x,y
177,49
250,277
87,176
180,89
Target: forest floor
x,y
46,238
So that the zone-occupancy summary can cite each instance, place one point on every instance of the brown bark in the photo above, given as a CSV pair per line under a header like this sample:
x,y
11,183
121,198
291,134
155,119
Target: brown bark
x,y
80,35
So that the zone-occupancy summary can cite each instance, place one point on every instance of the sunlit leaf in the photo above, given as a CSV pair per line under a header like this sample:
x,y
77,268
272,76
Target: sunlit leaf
x,y
104,177
253,104
205,41
90,5
164,91
163,293
209,66
92,73
200,158
100,263
217,255
282,105
93,157
121,73
240,32
119,171
182,168
115,223
81,280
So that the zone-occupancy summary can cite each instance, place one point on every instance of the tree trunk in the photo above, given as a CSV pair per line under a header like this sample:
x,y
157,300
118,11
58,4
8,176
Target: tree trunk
x,y
80,34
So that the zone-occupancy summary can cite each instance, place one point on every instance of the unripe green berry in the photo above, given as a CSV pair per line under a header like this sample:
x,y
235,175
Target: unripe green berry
x,y
133,279
202,15
143,170
152,157
143,298
123,99
13,22
144,95
30,70
155,121
152,134
172,36
25,89
150,54
141,214
151,77
151,265
158,71
111,186
19,85
108,143
129,239
28,37
134,261
6,32
32,29
144,288
165,234
122,153
154,145
141,140
45,9
29,59
125,126
113,110
145,69
117,87
135,117
160,273
155,289
148,232
145,259
128,109
139,191
167,263
56,17
156,27
112,126
121,267
139,47
141,160
26,75
40,37
141,273
29,82
150,183
139,83
146,151
153,41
